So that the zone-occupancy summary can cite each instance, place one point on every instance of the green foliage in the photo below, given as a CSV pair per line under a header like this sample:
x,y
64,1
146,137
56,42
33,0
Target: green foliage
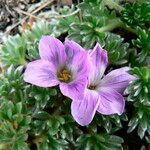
x,y
117,50
141,120
53,132
14,124
143,42
40,97
39,29
111,123
92,29
62,25
97,142
13,51
139,90
12,84
136,14
139,95
44,129
32,37
86,34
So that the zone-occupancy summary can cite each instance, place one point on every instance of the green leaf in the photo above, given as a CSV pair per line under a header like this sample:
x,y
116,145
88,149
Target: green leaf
x,y
143,42
136,14
117,50
13,51
42,115
106,142
13,129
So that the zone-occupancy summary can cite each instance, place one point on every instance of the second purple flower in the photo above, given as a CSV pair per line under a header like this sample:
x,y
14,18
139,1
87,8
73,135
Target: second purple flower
x,y
103,94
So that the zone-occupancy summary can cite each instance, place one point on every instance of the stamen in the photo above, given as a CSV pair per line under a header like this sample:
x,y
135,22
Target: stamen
x,y
64,76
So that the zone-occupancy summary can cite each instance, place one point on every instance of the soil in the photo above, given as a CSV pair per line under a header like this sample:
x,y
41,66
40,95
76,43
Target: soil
x,y
10,17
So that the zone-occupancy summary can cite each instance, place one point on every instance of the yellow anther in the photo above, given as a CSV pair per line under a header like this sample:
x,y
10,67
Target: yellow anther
x,y
64,75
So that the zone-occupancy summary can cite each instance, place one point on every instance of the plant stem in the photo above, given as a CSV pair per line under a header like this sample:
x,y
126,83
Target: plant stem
x,y
113,5
114,24
26,13
129,29
64,16
80,14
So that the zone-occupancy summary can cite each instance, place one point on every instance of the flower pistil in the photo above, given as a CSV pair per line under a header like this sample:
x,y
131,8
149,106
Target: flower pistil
x,y
92,87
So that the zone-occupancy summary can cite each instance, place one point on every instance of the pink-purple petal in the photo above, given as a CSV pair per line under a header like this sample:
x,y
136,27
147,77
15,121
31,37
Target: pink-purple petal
x,y
41,73
75,89
76,57
98,63
83,111
117,79
53,50
77,63
111,102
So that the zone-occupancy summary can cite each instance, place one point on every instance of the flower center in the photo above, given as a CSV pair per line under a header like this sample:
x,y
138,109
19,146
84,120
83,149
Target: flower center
x,y
64,76
92,87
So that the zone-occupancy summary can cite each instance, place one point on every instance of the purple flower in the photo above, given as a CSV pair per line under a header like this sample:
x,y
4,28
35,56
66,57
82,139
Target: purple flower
x,y
63,65
102,94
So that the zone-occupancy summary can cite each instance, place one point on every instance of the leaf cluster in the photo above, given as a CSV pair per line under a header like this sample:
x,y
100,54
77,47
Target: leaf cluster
x,y
136,14
13,51
139,96
14,124
143,43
